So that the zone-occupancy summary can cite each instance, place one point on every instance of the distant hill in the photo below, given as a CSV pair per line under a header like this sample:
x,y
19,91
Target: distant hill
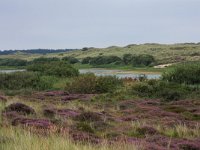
x,y
163,53
35,51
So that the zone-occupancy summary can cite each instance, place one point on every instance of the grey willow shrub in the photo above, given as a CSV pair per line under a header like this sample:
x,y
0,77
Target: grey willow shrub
x,y
186,73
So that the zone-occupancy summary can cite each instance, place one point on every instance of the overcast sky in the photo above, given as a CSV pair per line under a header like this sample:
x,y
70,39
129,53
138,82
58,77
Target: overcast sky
x,y
26,24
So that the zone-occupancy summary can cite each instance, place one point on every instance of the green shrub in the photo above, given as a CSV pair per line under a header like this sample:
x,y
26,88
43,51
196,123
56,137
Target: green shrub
x,y
60,69
46,82
83,84
160,89
12,62
142,89
143,60
102,60
71,60
85,127
44,60
86,60
127,59
186,73
89,83
107,84
24,80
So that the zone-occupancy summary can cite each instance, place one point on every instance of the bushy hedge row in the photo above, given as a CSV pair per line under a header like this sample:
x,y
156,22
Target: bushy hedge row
x,y
128,59
25,80
71,60
12,62
57,68
44,60
89,84
139,60
186,73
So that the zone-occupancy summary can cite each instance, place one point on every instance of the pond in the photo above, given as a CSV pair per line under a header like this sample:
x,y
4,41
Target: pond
x,y
119,73
106,72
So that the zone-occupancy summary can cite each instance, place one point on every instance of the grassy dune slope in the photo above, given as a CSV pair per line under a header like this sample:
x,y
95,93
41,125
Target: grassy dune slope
x,y
162,53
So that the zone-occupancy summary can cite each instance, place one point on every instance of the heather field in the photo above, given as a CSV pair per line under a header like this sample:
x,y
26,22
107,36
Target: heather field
x,y
50,105
58,108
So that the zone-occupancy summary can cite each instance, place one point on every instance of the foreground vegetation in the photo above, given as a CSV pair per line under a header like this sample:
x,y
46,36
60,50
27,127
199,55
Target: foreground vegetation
x,y
52,106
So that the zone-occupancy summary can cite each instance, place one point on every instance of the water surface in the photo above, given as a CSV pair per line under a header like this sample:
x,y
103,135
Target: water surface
x,y
119,73
11,71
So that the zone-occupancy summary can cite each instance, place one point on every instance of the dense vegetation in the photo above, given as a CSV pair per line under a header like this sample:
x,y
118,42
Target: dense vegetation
x,y
12,62
186,73
128,59
25,80
71,60
34,51
54,68
90,84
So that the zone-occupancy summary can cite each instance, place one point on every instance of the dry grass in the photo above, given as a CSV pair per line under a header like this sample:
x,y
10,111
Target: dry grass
x,y
18,139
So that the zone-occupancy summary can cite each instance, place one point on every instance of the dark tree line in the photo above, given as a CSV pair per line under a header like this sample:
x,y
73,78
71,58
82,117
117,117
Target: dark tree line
x,y
35,51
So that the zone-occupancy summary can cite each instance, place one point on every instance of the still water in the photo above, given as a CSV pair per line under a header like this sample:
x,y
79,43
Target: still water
x,y
119,73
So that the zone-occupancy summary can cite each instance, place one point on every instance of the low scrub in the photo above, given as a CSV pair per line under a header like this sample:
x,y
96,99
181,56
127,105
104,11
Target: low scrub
x,y
138,60
12,62
103,60
186,73
89,83
59,69
127,59
161,89
71,60
25,80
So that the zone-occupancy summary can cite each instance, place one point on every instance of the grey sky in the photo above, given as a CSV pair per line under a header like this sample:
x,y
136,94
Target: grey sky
x,y
26,24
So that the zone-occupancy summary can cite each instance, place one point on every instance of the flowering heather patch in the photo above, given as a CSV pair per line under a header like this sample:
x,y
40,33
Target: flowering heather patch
x,y
37,123
154,124
21,108
3,99
66,113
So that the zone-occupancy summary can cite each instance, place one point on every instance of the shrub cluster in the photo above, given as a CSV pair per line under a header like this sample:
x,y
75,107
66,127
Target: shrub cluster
x,y
102,60
161,89
25,80
186,73
57,68
71,60
90,84
128,59
44,60
12,62
139,60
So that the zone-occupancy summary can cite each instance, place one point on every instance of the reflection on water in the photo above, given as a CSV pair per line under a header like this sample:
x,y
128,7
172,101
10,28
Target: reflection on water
x,y
11,71
118,73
